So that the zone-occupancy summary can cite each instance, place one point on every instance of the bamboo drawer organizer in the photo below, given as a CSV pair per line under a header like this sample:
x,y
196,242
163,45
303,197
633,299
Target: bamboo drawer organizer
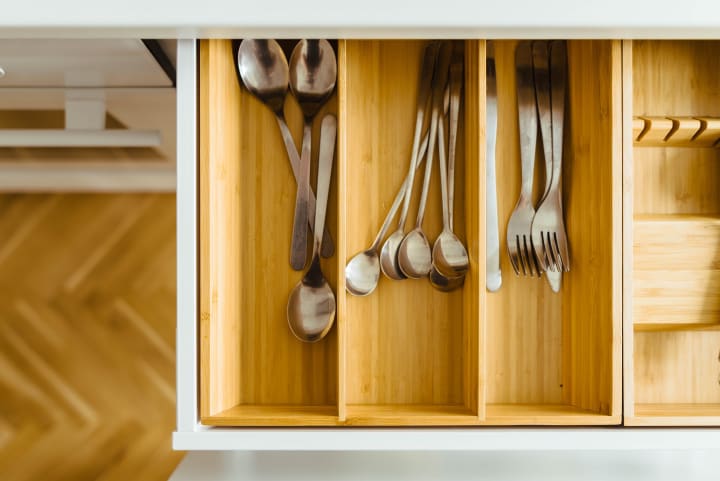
x,y
672,233
643,224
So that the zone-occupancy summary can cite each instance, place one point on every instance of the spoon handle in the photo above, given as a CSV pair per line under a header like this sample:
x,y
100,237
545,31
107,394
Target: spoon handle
x,y
398,198
328,131
298,251
456,81
327,248
443,174
424,97
438,87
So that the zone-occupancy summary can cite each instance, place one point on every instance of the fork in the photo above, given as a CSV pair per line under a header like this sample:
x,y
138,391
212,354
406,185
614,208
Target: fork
x,y
549,239
541,71
519,243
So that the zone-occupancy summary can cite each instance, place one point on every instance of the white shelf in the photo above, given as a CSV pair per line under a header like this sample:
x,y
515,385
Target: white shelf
x,y
372,18
460,439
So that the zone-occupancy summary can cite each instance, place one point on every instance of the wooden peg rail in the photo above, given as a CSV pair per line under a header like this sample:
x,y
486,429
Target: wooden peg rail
x,y
676,131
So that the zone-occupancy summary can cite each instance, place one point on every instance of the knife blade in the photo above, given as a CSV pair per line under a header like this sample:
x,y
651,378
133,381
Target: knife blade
x,y
493,275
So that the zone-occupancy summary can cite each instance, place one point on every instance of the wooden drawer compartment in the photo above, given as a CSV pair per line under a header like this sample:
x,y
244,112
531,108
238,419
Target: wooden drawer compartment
x,y
406,355
672,208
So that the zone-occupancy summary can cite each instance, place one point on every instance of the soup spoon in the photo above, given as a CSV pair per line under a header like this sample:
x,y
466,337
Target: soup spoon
x,y
265,73
313,73
389,253
414,255
362,272
449,256
311,306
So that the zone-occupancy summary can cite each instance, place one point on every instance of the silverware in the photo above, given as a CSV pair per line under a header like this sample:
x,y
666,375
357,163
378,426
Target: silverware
x,y
313,73
414,255
264,71
389,253
311,305
449,256
541,70
438,280
519,243
548,227
362,272
493,275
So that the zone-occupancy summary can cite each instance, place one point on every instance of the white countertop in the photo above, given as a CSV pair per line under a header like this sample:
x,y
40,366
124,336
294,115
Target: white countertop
x,y
369,18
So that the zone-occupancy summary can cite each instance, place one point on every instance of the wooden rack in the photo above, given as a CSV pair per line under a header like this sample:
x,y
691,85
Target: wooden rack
x,y
672,235
676,131
407,355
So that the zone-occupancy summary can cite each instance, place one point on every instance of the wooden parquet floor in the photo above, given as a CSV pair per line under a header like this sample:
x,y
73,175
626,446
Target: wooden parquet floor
x,y
87,337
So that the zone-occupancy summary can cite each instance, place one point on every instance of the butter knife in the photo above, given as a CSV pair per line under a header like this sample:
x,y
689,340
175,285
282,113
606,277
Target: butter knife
x,y
493,276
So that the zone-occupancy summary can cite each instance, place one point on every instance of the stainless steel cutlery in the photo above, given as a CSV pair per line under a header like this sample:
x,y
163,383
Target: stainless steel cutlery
x,y
537,241
410,255
493,275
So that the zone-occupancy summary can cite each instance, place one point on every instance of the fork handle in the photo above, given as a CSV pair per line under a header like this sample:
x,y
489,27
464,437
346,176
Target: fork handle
x,y
558,81
527,117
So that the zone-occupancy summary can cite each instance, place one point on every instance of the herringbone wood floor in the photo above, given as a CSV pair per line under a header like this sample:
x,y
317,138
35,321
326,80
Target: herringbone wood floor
x,y
87,337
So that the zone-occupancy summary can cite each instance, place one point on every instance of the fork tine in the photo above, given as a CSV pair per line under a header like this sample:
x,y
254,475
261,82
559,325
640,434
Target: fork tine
x,y
512,249
547,244
536,262
529,257
544,257
563,251
521,256
536,241
513,258
556,252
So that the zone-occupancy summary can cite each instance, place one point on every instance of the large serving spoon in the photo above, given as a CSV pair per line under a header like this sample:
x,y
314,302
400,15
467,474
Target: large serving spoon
x,y
414,254
362,272
265,73
389,253
449,256
313,73
311,306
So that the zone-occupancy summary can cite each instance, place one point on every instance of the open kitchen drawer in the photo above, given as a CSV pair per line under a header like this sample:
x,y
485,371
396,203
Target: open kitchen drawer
x,y
672,233
406,355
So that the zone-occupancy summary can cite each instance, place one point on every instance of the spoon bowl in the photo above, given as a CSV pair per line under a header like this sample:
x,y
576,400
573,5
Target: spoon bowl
x,y
362,273
445,284
414,255
311,310
449,256
311,305
264,70
389,256
313,74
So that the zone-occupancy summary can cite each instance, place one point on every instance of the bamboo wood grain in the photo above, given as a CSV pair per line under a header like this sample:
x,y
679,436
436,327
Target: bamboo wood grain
x,y
676,280
407,344
407,354
564,349
249,359
709,132
656,130
672,307
627,214
674,131
671,414
684,129
678,367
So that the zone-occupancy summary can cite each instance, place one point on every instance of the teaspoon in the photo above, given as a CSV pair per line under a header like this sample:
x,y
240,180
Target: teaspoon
x,y
449,256
311,306
362,272
414,255
389,253
264,71
313,73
